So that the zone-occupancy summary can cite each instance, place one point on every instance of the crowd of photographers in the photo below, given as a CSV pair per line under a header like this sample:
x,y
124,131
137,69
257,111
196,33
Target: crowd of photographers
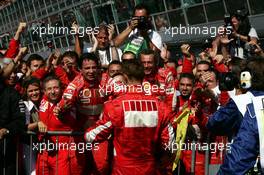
x,y
106,92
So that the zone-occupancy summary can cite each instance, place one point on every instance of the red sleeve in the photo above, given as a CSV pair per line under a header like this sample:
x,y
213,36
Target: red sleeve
x,y
70,94
187,66
176,84
62,75
203,121
223,98
75,72
220,67
40,73
167,131
12,49
103,128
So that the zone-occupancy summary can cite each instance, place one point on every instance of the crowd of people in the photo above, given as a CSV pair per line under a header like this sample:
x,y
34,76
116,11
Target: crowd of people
x,y
136,106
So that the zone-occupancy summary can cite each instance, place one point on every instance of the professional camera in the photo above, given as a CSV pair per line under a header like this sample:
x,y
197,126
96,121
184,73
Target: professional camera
x,y
143,22
241,14
228,25
228,81
249,50
227,20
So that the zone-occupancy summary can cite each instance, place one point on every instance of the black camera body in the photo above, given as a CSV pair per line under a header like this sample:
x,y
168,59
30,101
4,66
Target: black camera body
x,y
227,20
143,22
241,14
228,81
249,50
228,24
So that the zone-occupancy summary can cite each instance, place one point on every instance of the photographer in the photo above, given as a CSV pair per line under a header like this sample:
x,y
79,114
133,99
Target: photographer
x,y
248,143
240,38
139,33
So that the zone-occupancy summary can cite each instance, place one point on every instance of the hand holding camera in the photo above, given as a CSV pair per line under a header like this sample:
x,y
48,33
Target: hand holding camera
x,y
139,22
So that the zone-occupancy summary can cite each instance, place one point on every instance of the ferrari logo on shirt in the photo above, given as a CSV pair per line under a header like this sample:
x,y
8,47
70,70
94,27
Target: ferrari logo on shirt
x,y
86,93
43,106
146,86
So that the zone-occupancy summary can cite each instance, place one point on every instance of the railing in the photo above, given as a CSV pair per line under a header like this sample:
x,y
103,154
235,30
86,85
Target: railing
x,y
29,166
22,148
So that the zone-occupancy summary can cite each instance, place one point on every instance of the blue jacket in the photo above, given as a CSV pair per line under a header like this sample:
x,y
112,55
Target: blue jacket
x,y
226,120
245,147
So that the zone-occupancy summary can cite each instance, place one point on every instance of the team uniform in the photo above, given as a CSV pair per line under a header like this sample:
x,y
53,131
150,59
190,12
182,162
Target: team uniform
x,y
126,118
85,101
60,159
164,82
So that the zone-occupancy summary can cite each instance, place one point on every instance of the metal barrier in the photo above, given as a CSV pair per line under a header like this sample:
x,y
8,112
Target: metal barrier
x,y
209,169
20,148
4,143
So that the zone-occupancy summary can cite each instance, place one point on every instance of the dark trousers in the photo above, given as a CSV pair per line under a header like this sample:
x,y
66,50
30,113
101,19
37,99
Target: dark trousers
x,y
7,157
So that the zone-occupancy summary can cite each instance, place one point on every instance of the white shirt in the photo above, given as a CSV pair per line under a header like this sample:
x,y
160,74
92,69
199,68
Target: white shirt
x,y
103,55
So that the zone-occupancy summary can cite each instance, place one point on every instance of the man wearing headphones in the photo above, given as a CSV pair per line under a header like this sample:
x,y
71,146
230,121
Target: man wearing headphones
x,y
249,142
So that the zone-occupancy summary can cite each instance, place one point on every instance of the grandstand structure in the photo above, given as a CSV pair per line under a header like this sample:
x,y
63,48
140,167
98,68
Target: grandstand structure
x,y
165,14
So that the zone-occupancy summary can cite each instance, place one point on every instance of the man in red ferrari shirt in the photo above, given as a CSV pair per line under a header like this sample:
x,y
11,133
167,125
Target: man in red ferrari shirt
x,y
61,159
139,125
84,99
158,81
